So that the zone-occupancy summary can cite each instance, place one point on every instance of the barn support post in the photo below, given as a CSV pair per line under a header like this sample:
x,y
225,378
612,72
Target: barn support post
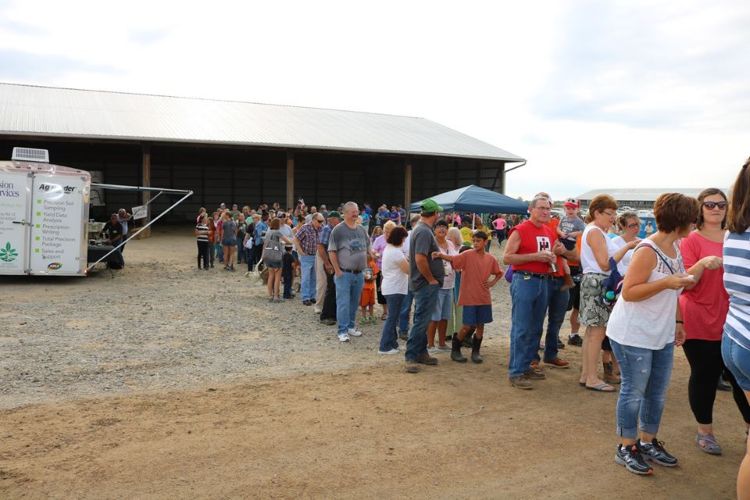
x,y
289,179
146,182
407,184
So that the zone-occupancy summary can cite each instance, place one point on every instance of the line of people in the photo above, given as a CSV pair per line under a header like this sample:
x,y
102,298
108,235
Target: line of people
x,y
687,285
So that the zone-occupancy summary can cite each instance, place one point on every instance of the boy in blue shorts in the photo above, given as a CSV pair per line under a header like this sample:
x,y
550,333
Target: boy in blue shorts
x,y
476,266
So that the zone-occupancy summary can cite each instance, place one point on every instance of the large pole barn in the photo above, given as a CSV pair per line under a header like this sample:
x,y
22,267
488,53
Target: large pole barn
x,y
241,152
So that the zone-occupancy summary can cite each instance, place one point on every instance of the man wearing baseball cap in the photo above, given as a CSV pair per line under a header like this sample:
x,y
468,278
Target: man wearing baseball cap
x,y
569,230
425,279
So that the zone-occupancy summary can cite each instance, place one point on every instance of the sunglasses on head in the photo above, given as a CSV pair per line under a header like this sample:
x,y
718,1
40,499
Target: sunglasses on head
x,y
721,205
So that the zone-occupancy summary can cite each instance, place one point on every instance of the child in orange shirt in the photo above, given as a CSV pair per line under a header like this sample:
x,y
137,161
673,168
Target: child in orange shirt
x,y
367,298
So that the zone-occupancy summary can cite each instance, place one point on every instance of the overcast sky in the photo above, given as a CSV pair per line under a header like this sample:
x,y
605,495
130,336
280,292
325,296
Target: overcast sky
x,y
594,94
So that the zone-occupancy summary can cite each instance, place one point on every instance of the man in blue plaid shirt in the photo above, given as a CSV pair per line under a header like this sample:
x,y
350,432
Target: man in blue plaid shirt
x,y
306,240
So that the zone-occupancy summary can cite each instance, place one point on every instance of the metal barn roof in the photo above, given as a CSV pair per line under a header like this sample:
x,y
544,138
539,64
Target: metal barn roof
x,y
61,112
638,194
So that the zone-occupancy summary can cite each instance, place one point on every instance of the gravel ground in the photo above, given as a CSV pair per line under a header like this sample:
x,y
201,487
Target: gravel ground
x,y
162,381
162,324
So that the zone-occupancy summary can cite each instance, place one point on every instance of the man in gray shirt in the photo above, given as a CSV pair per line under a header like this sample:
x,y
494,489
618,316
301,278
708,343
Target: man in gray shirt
x,y
425,279
348,248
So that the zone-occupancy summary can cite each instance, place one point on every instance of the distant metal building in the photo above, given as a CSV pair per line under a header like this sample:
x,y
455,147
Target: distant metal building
x,y
244,153
637,199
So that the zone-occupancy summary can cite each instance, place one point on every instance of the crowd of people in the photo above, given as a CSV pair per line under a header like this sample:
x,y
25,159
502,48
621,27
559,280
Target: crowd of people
x,y
686,285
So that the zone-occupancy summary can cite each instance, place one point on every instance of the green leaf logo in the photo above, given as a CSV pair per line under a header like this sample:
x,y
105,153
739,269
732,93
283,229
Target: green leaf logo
x,y
8,253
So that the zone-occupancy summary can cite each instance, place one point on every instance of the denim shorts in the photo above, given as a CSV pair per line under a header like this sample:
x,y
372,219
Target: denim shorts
x,y
737,360
477,315
443,305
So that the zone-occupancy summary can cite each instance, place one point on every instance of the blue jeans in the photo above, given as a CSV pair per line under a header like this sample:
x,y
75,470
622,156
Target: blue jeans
x,y
219,252
645,375
348,290
240,251
403,315
389,335
424,303
558,306
737,360
530,299
307,285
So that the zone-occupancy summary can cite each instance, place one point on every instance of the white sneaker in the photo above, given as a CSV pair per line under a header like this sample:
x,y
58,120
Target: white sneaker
x,y
392,351
317,310
354,332
433,350
343,337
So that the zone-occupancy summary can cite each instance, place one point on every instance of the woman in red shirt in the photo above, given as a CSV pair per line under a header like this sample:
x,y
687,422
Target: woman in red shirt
x,y
704,309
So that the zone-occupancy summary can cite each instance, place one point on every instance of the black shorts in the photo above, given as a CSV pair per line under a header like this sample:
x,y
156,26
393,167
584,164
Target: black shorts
x,y
574,300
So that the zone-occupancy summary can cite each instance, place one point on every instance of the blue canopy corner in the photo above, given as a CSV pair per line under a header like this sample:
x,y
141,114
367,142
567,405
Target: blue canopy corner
x,y
477,200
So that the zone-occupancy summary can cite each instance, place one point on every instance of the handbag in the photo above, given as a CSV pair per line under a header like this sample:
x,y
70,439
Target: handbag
x,y
272,250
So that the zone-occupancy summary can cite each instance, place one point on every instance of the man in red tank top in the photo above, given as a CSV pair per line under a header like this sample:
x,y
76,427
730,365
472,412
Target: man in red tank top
x,y
558,296
533,252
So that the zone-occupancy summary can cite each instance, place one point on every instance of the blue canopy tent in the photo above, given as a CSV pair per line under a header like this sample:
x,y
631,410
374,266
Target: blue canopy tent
x,y
477,200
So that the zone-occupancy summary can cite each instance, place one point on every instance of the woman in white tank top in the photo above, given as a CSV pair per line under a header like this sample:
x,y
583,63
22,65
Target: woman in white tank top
x,y
596,250
643,329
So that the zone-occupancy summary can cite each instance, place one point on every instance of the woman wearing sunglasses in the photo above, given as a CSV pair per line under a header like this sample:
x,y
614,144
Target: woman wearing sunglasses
x,y
704,310
630,225
596,251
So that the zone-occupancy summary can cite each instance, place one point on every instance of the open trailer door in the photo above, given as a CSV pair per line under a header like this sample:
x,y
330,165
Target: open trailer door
x,y
59,212
15,217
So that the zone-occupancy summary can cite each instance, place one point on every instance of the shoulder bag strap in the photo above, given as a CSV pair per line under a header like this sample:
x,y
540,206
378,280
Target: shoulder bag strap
x,y
658,252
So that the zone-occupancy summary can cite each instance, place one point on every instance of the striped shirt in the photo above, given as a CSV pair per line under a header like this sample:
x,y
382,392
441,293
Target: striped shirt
x,y
737,283
201,232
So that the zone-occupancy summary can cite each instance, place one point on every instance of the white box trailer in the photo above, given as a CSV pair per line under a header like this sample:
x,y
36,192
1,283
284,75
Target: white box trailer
x,y
44,211
43,214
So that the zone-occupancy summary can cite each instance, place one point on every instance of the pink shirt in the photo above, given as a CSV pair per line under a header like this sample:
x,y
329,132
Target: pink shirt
x,y
704,308
499,223
378,246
